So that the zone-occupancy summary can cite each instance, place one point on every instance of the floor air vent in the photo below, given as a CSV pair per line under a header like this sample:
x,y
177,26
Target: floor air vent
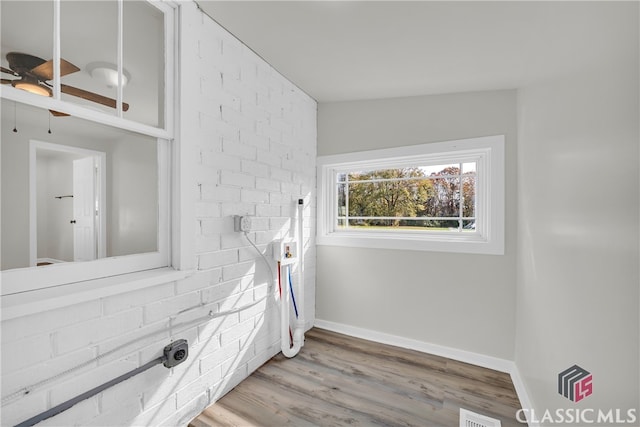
x,y
471,419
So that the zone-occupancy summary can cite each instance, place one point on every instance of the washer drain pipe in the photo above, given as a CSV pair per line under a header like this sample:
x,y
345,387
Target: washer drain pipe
x,y
285,301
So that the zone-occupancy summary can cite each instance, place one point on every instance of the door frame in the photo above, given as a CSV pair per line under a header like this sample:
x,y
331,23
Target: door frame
x,y
100,160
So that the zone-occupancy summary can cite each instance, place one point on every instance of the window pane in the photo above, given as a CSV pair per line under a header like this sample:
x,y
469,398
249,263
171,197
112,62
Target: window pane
x,y
89,40
122,195
372,223
468,168
404,224
469,195
435,198
389,198
452,169
384,199
441,170
426,198
399,173
439,225
446,198
144,56
32,38
469,225
342,201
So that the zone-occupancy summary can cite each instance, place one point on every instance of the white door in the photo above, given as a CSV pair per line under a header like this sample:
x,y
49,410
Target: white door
x,y
84,209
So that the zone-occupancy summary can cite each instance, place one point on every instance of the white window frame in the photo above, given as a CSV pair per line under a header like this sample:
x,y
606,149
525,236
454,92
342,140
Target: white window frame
x,y
22,280
488,238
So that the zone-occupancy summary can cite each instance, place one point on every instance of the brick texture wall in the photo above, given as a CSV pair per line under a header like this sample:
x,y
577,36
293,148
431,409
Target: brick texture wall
x,y
252,137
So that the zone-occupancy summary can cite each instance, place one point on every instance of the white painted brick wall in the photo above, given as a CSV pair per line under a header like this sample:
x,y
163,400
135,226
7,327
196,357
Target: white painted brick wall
x,y
254,138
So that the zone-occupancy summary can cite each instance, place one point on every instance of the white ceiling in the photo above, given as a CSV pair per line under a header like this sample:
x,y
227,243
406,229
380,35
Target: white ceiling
x,y
346,50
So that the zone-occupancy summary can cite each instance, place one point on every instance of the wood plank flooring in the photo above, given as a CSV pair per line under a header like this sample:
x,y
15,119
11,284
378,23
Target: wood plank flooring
x,y
338,380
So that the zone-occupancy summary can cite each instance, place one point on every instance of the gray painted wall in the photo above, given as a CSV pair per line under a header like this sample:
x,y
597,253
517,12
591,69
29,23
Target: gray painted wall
x,y
462,301
578,261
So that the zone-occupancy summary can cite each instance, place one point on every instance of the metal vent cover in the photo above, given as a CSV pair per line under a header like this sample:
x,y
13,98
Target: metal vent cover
x,y
471,419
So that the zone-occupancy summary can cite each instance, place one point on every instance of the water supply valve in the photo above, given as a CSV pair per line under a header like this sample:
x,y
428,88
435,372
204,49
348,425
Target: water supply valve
x,y
285,251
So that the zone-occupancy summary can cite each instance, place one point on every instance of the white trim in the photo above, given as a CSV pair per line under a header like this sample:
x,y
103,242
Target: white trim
x,y
22,280
484,361
171,55
410,150
164,199
487,152
119,59
77,110
56,50
33,211
184,183
478,359
28,303
102,222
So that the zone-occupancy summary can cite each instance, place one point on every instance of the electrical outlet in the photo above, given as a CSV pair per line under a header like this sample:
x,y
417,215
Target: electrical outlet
x,y
243,223
246,223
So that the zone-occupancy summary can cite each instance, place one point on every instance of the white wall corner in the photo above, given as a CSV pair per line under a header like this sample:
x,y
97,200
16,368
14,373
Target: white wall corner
x,y
523,395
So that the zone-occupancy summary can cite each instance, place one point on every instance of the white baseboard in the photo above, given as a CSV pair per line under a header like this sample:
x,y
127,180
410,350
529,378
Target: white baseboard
x,y
523,395
490,362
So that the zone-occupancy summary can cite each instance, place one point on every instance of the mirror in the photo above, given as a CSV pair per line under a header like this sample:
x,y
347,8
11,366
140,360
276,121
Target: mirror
x,y
82,191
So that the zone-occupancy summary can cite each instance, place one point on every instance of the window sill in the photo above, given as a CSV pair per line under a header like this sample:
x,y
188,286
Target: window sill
x,y
434,243
30,302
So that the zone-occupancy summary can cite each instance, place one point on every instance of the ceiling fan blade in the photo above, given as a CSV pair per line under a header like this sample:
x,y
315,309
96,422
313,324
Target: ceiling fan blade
x,y
58,113
44,71
8,71
91,96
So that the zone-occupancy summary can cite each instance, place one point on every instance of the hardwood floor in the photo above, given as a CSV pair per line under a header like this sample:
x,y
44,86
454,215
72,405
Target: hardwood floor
x,y
338,380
